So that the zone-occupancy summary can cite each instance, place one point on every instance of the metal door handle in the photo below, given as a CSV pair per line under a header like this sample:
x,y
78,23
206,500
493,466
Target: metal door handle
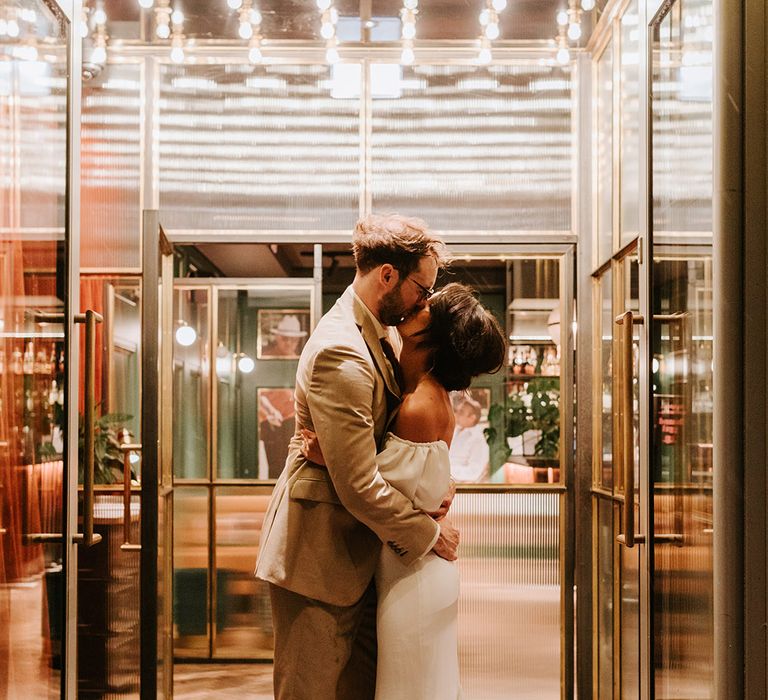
x,y
127,449
87,537
627,437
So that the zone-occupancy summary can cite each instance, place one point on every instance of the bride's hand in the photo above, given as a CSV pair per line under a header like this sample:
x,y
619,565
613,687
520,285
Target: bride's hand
x,y
445,506
310,447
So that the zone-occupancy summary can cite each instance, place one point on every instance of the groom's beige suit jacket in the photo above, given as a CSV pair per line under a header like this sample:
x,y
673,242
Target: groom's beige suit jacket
x,y
324,527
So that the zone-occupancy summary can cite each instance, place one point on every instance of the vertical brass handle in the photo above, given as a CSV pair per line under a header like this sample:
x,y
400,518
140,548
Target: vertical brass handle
x,y
90,318
627,436
127,449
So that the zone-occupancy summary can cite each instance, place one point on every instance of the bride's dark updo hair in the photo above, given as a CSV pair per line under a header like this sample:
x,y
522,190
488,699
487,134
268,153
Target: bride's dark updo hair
x,y
466,337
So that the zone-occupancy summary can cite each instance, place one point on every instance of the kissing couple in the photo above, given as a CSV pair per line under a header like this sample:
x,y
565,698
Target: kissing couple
x,y
356,546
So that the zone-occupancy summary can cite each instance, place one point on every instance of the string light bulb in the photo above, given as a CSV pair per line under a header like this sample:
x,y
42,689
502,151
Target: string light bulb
x,y
574,31
146,4
587,5
407,56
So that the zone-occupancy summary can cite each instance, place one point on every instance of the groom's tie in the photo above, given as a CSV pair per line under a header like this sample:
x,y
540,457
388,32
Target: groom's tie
x,y
397,371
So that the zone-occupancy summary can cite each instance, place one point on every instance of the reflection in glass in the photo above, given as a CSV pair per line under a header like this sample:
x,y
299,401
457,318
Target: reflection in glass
x,y
682,473
681,346
476,148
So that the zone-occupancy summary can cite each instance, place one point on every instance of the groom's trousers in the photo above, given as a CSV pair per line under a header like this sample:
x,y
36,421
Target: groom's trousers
x,y
322,651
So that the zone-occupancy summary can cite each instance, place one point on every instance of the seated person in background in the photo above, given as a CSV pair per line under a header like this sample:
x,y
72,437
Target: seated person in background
x,y
469,451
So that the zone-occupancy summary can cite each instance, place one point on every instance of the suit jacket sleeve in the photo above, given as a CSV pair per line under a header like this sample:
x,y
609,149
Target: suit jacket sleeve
x,y
340,401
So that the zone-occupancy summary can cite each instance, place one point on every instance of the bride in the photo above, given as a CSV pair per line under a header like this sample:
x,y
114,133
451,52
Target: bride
x,y
444,346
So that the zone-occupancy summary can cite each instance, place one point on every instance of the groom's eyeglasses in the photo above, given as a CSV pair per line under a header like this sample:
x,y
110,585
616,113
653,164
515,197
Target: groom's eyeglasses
x,y
426,292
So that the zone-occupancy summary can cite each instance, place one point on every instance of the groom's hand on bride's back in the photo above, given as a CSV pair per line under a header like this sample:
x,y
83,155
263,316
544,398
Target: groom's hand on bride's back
x,y
445,506
447,544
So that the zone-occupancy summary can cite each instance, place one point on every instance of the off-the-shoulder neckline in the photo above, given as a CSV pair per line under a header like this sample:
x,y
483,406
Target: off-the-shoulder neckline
x,y
417,444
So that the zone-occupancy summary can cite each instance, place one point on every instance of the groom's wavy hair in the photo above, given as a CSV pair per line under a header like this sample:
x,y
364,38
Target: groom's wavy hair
x,y
401,241
465,337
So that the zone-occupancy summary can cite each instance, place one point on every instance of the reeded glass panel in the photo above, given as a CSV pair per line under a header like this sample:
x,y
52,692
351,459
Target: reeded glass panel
x,y
261,331
191,382
629,162
531,415
604,398
604,603
243,618
604,150
509,607
258,147
682,120
475,148
191,583
110,178
108,629
33,405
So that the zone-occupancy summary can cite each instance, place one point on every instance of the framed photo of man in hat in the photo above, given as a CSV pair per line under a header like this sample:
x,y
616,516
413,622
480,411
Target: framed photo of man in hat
x,y
282,333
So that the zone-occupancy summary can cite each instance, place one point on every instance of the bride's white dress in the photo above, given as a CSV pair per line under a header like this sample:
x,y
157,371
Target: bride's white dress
x,y
416,617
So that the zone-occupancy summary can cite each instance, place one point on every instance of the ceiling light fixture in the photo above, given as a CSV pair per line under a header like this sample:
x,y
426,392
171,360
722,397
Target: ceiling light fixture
x,y
490,29
177,36
408,30
328,20
163,19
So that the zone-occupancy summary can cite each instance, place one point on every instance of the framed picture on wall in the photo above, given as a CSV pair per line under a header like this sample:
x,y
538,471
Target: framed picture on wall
x,y
277,421
281,333
469,453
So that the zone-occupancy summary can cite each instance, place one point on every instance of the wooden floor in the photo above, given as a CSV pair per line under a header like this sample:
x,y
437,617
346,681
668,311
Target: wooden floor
x,y
241,681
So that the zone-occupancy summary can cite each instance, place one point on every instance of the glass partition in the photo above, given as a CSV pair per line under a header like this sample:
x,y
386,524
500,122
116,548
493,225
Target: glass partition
x,y
34,244
191,571
629,159
681,338
110,167
243,617
604,132
191,382
258,147
510,623
260,332
474,148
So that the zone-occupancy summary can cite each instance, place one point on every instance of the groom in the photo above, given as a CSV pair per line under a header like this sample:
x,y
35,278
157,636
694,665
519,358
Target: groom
x,y
326,524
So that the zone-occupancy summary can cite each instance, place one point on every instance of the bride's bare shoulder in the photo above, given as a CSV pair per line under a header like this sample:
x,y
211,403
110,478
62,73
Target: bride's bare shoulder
x,y
425,415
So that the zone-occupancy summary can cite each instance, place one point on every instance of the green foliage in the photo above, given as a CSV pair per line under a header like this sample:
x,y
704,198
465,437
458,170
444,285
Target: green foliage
x,y
519,415
108,459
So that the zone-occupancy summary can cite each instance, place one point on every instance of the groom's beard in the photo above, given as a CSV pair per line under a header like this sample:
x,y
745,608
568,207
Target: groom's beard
x,y
392,308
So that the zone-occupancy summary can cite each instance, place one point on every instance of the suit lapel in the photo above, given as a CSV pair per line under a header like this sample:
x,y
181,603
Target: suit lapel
x,y
373,342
